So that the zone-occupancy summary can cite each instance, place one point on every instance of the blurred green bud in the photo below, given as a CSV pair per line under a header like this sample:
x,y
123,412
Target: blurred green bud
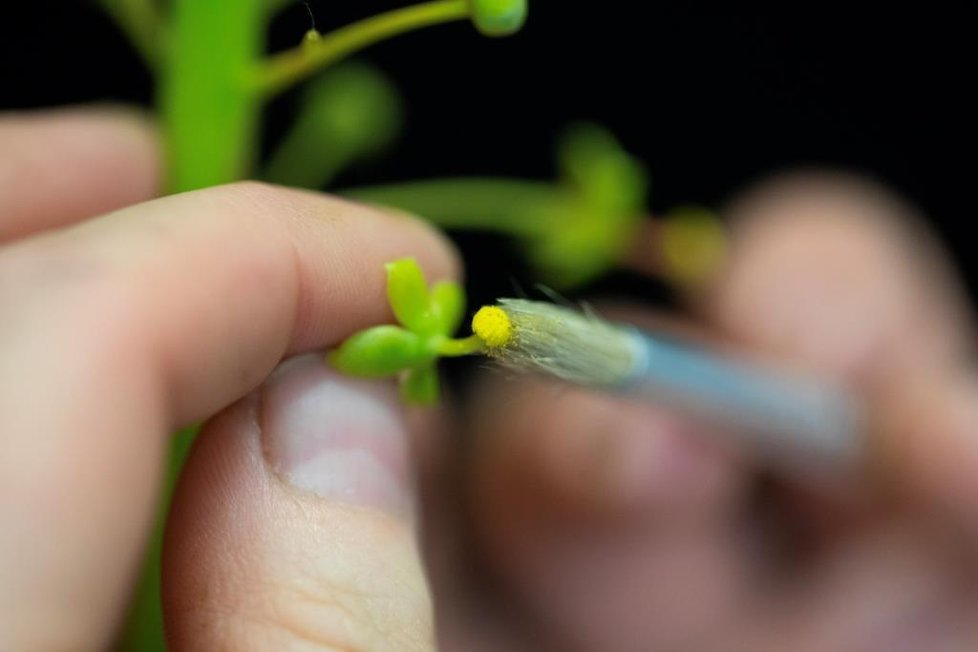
x,y
380,352
498,17
347,114
608,177
592,221
355,107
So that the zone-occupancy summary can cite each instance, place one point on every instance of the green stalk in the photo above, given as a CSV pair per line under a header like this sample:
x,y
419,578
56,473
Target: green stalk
x,y
482,203
453,348
288,68
210,123
210,116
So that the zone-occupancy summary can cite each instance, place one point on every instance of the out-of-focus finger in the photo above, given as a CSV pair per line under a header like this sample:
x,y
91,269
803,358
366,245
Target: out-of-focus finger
x,y
837,275
63,165
897,588
606,518
925,445
293,525
834,272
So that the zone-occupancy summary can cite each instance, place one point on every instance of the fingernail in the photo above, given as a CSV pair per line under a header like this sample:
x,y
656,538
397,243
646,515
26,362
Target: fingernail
x,y
336,437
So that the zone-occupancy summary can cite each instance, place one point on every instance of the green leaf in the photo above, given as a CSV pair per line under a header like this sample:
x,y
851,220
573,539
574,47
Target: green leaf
x,y
379,352
420,386
346,115
447,307
408,294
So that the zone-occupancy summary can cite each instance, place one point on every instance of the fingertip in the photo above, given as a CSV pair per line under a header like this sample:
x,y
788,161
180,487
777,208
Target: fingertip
x,y
832,270
340,247
66,164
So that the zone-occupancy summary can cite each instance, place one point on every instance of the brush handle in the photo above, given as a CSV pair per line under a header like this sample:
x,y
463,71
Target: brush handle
x,y
783,415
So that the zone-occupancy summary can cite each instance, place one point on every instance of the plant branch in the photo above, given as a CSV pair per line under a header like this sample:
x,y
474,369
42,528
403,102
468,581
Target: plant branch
x,y
485,203
288,68
453,348
210,121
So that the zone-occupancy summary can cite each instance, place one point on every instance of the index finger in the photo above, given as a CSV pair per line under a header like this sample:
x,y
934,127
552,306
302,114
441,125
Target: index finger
x,y
60,166
121,329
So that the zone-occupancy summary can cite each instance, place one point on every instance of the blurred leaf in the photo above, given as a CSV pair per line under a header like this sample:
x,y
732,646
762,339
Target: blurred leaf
x,y
346,115
594,220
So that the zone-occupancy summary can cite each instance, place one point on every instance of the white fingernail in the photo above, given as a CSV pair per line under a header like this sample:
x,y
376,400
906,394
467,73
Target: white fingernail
x,y
337,437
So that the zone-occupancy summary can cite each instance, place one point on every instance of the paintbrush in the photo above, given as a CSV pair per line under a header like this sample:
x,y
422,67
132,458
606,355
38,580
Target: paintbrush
x,y
780,414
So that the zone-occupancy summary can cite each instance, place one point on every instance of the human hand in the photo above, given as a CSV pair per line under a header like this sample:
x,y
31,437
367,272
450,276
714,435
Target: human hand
x,y
586,523
117,330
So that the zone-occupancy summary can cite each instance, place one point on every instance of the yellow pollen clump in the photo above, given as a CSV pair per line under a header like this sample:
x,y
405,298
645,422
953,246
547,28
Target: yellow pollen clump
x,y
492,325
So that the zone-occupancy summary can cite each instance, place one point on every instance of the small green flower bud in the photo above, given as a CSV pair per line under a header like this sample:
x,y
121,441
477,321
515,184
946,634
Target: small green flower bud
x,y
498,17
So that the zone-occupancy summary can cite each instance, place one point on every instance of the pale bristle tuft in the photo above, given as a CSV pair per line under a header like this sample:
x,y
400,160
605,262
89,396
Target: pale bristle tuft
x,y
568,344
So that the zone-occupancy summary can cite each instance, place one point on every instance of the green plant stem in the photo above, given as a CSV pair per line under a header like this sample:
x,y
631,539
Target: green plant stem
x,y
142,23
288,68
210,117
210,122
482,203
453,348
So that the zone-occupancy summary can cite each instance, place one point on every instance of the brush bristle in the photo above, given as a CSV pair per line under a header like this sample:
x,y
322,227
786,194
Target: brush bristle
x,y
565,343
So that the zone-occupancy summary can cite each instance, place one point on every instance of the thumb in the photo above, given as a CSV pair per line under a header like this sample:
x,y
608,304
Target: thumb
x,y
292,527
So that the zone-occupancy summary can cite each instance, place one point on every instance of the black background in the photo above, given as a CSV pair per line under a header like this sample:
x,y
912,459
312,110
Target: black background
x,y
711,96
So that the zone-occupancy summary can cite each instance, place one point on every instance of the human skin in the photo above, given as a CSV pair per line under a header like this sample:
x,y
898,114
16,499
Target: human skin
x,y
317,513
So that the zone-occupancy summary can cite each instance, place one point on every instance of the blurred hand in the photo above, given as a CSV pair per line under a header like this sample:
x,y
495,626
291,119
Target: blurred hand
x,y
551,518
